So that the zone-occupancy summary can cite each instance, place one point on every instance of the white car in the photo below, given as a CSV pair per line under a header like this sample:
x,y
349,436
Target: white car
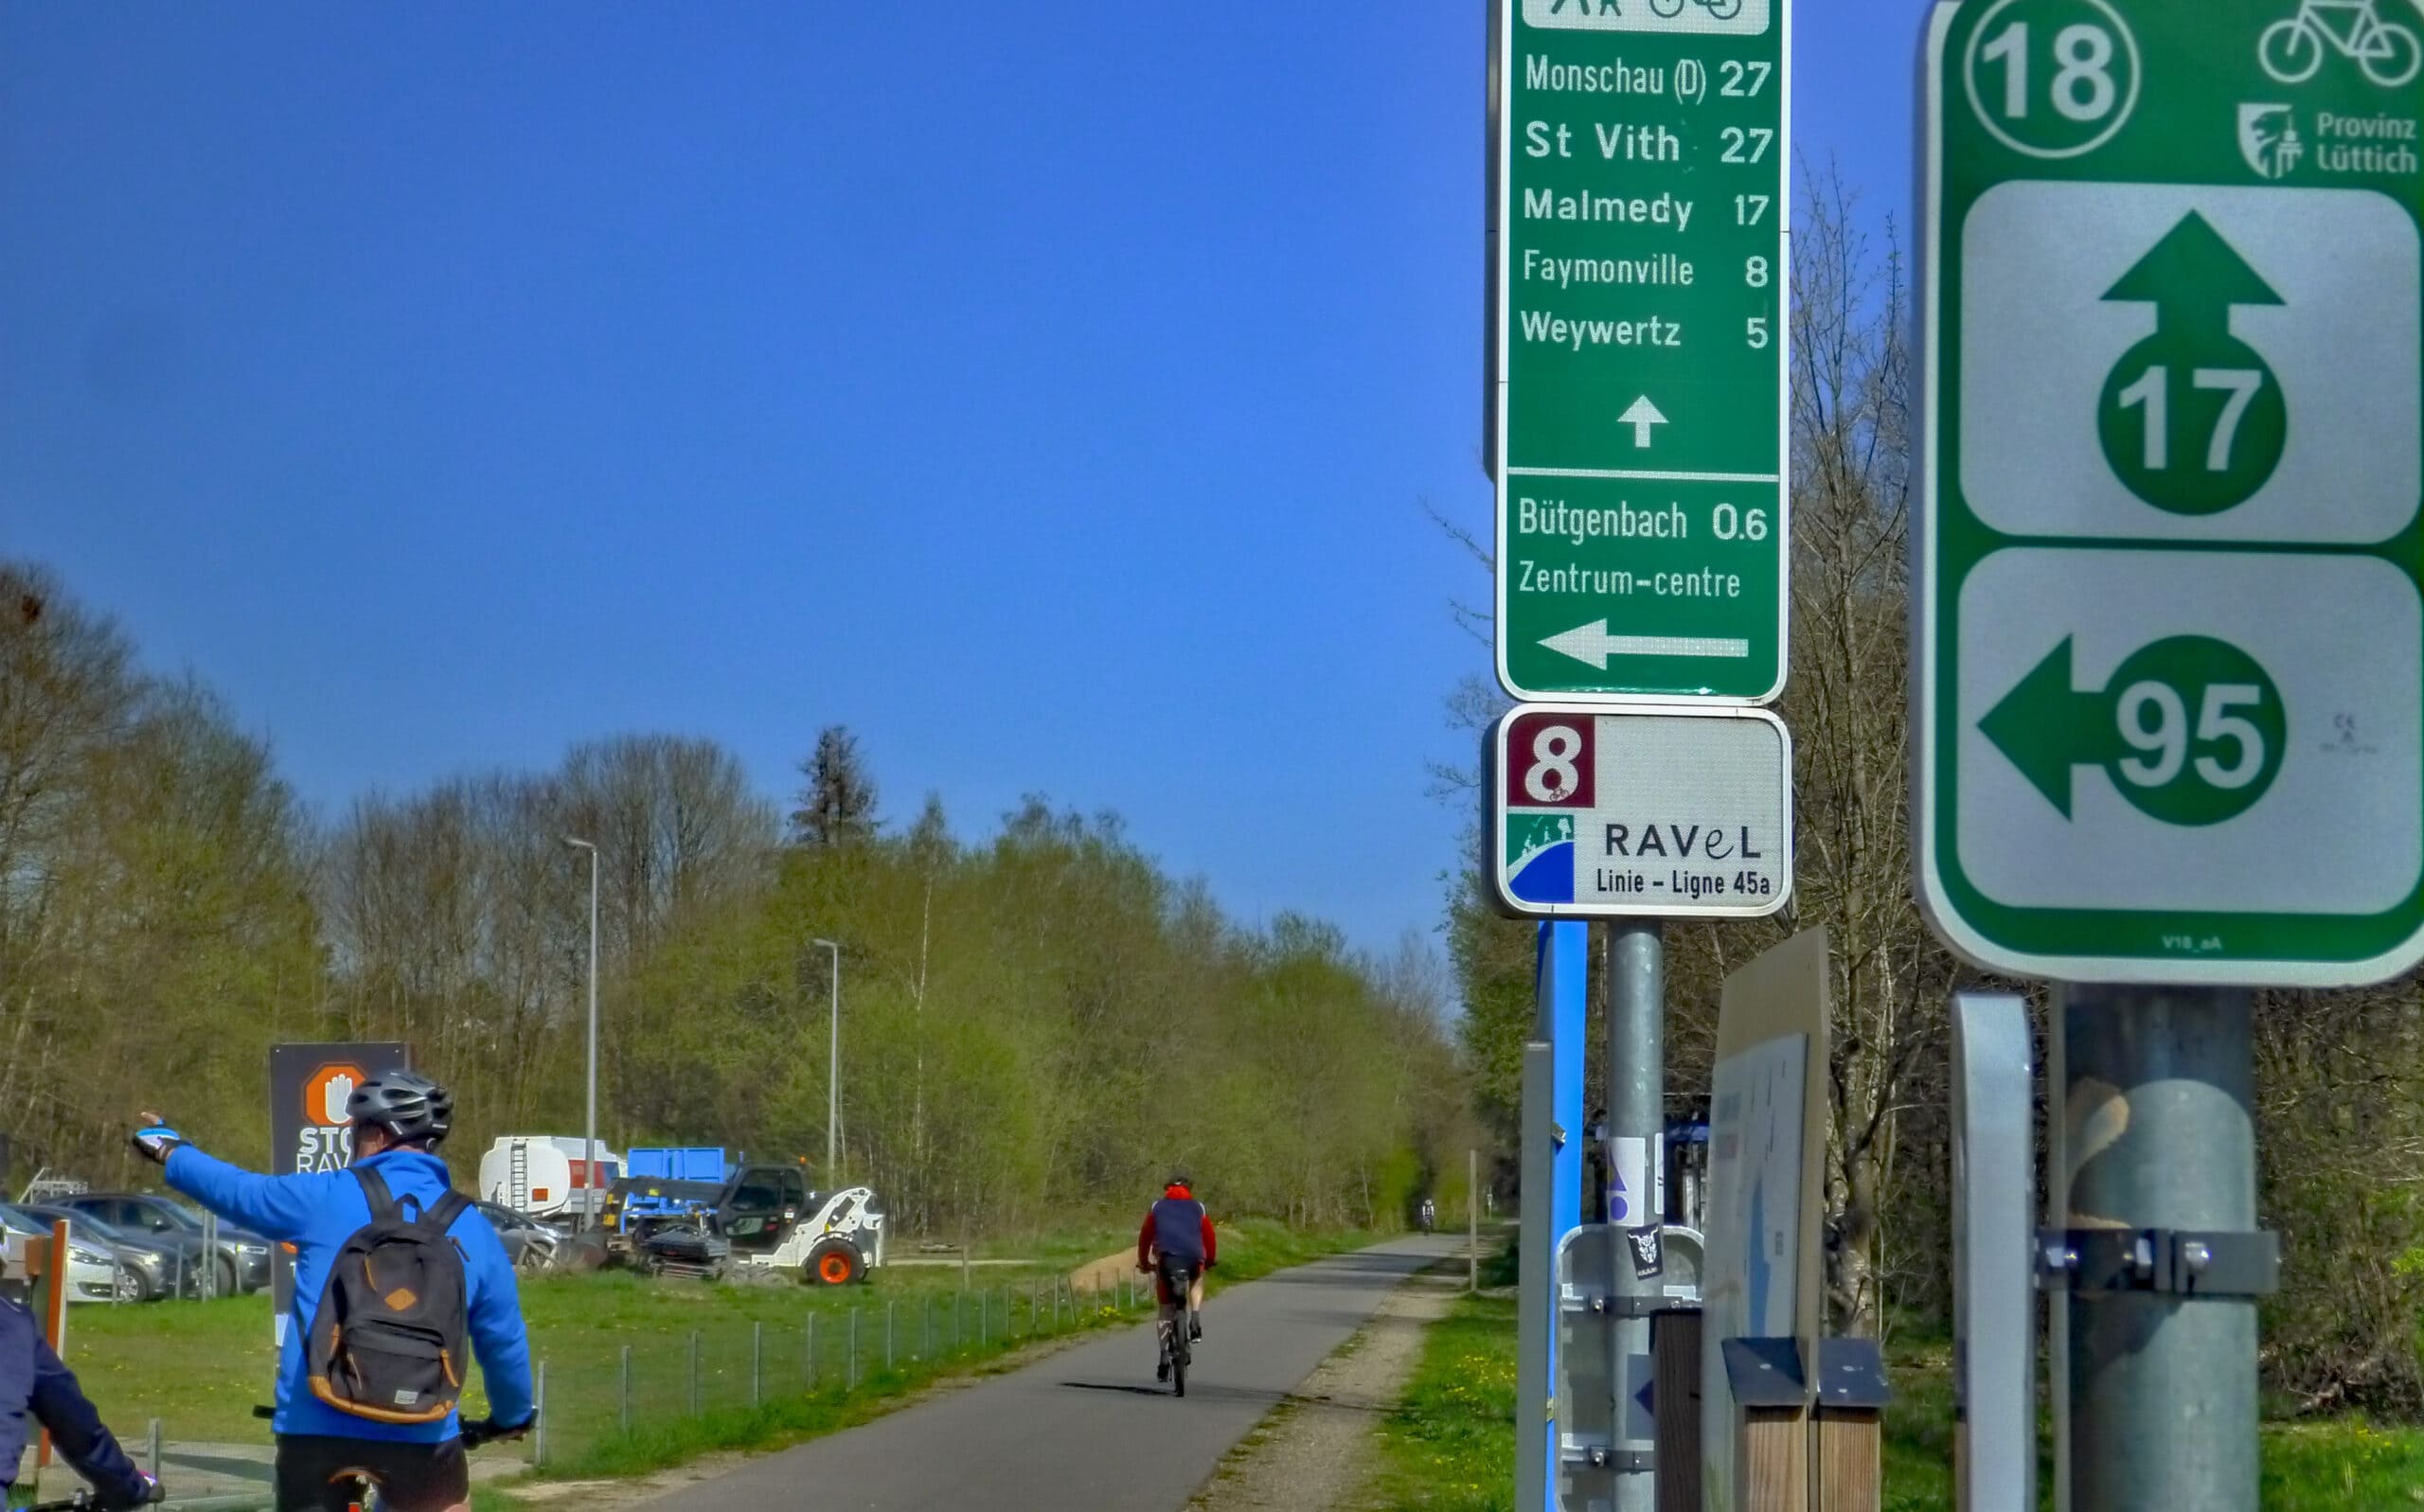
x,y
93,1275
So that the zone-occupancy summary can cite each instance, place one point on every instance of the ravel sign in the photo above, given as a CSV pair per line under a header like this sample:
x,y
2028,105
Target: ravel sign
x,y
1679,812
1639,347
309,1085
2170,689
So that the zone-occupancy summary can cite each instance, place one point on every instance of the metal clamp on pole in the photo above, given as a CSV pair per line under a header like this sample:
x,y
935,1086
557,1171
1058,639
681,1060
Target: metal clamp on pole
x,y
1626,1307
2175,1262
1594,1454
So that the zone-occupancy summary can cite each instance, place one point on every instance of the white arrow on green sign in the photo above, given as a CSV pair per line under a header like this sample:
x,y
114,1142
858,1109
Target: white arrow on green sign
x,y
1637,404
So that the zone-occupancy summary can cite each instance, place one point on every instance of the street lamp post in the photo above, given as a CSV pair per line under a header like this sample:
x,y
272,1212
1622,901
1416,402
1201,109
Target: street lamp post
x,y
589,1129
833,1073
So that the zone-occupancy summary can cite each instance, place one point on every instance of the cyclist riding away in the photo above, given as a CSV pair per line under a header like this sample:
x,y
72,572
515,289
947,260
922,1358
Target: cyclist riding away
x,y
391,1268
34,1385
1177,1235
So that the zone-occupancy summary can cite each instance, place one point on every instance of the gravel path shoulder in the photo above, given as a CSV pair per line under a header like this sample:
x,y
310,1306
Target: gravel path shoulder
x,y
1316,1452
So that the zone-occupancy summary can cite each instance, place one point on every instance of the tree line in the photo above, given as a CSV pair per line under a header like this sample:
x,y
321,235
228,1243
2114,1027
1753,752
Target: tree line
x,y
1036,1024
2340,1076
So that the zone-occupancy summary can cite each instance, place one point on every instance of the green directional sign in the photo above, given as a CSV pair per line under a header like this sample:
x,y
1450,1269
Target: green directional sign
x,y
1638,347
2169,672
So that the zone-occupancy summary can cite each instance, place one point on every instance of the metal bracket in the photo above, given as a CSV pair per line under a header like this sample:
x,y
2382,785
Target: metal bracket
x,y
1632,1307
2173,1262
1594,1454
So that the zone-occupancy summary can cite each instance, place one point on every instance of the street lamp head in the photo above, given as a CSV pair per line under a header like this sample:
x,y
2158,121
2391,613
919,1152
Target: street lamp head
x,y
827,944
580,843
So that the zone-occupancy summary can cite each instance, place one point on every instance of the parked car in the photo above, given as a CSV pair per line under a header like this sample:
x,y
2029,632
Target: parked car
x,y
95,1273
529,1243
160,1273
240,1260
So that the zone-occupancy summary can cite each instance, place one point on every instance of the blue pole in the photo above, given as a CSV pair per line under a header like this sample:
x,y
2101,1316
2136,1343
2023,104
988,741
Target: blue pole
x,y
1563,972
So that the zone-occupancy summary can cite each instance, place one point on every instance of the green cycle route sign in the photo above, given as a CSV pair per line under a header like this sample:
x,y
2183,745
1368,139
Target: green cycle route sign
x,y
2168,686
1637,387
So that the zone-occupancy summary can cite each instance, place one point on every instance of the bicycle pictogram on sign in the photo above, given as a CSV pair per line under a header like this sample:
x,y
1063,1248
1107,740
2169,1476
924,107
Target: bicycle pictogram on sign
x,y
2293,50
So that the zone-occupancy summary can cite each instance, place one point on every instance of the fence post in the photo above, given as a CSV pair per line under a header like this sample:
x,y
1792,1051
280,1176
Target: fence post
x,y
926,1333
210,1254
152,1447
756,1363
889,1305
984,1319
808,1373
694,1373
539,1417
623,1393
851,1381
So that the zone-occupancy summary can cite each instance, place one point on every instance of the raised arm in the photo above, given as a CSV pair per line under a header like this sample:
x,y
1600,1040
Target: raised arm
x,y
276,1207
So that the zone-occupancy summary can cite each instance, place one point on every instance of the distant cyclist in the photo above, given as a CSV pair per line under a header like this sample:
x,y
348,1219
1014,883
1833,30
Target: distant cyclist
x,y
1177,1236
1430,1214
36,1389
371,1366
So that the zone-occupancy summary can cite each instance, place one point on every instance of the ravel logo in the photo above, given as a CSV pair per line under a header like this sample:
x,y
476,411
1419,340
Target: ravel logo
x,y
327,1091
2268,137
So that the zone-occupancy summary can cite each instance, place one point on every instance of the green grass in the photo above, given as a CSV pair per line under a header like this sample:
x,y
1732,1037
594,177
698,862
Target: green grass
x,y
2339,1465
1449,1444
201,1367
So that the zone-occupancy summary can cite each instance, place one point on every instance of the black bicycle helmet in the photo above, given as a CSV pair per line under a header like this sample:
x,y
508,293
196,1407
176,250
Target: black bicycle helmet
x,y
410,1107
1180,1178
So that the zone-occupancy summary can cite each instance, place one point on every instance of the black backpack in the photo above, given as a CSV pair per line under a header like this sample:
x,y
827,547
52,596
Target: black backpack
x,y
388,1341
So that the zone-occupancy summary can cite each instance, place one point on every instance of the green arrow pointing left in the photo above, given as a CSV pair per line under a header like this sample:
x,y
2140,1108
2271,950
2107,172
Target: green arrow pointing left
x,y
2047,727
2191,729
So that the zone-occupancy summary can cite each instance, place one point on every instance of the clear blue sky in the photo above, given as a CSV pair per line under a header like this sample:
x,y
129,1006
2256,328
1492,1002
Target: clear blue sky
x,y
1044,390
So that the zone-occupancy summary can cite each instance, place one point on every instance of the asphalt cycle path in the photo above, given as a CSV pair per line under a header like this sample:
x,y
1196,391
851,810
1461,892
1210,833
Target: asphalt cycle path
x,y
1086,1428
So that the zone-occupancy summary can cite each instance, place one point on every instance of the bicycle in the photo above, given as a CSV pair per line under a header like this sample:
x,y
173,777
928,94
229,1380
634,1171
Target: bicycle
x,y
85,1500
1175,1331
1718,9
2292,52
473,1431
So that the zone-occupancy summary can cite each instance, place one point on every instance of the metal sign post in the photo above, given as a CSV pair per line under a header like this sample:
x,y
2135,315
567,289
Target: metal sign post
x,y
2169,682
1636,412
1636,419
1994,1297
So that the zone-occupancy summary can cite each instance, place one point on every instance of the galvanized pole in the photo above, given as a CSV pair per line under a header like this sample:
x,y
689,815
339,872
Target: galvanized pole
x,y
1473,1221
756,1363
1637,1126
2158,1084
834,1076
539,1416
810,1348
589,1125
851,1381
623,1393
694,1373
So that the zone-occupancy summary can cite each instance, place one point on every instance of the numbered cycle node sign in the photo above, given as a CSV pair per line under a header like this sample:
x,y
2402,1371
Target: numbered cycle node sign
x,y
1637,340
1683,811
2169,679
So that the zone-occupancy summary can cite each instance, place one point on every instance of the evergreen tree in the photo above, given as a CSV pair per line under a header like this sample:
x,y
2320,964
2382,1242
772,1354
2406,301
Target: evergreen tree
x,y
837,806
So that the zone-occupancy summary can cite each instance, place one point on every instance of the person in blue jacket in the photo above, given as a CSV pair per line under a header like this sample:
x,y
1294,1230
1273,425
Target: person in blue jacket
x,y
35,1388
397,1120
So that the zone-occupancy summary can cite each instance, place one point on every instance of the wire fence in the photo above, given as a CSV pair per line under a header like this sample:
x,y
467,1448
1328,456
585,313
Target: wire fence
x,y
604,1398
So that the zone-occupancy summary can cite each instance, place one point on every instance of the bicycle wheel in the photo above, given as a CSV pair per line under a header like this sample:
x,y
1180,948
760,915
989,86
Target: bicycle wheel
x,y
1181,1352
1723,10
1669,10
2393,57
2289,52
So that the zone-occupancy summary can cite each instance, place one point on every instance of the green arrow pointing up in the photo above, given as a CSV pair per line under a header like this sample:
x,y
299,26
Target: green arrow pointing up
x,y
2047,727
2193,277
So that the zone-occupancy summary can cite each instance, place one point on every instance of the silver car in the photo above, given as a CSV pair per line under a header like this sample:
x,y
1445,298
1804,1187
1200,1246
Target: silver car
x,y
95,1273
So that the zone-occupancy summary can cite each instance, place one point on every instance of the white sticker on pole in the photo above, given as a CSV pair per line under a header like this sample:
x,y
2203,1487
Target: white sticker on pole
x,y
1628,1194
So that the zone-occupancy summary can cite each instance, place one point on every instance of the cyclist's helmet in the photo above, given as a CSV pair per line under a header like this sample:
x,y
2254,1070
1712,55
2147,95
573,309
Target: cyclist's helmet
x,y
1180,1178
412,1107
